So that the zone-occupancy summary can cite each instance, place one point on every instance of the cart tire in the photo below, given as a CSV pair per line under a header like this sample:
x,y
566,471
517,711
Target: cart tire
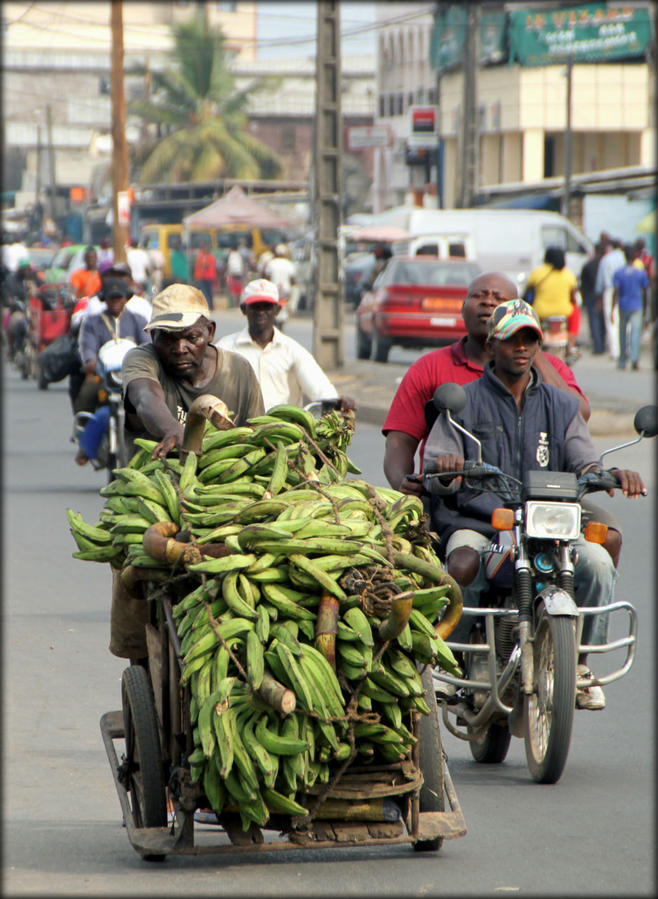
x,y
430,752
550,707
491,748
146,786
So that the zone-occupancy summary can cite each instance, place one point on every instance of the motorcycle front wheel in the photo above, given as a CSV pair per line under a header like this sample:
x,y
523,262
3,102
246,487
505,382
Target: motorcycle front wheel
x,y
549,708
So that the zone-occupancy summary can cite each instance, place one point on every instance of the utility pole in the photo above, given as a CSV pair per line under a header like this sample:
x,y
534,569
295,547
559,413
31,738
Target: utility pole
x,y
568,165
51,162
119,143
328,192
469,163
37,190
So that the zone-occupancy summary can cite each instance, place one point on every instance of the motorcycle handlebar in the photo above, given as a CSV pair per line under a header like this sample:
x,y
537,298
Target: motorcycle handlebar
x,y
597,480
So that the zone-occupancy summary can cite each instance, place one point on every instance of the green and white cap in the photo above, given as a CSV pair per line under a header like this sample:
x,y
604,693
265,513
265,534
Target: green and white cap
x,y
510,316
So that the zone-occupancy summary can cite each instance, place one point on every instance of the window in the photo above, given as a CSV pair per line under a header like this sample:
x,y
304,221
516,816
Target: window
x,y
549,157
383,112
400,106
227,7
553,237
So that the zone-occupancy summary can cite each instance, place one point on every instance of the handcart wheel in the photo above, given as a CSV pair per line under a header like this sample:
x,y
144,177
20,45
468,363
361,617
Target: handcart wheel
x,y
146,786
430,753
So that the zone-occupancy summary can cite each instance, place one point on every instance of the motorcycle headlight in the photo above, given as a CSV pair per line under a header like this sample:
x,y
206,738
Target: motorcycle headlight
x,y
554,521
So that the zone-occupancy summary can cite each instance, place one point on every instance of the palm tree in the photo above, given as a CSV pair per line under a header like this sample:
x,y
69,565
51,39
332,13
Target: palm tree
x,y
203,115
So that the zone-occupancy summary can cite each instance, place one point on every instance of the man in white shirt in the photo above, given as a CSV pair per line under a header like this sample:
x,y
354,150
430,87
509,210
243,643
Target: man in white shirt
x,y
286,372
612,260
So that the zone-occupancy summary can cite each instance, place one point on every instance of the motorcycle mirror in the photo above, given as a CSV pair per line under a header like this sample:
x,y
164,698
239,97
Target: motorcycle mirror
x,y
646,421
449,396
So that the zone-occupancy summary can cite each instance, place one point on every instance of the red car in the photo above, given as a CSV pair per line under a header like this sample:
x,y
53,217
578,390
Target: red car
x,y
415,302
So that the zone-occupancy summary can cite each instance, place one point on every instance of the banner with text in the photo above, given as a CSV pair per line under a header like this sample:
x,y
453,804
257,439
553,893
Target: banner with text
x,y
593,32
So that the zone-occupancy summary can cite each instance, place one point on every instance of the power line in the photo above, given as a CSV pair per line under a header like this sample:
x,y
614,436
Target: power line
x,y
265,43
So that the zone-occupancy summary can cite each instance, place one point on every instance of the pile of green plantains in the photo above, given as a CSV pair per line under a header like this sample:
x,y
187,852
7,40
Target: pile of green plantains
x,y
307,602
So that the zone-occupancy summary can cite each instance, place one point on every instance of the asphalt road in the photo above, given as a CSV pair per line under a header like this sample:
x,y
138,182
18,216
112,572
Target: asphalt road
x,y
591,834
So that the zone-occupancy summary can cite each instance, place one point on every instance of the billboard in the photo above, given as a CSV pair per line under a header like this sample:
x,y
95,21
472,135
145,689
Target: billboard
x,y
593,32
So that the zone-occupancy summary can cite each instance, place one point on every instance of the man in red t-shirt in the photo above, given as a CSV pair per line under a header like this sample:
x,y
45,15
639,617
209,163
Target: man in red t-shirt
x,y
406,428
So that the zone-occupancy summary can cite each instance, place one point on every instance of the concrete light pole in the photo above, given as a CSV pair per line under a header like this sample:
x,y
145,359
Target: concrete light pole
x,y
328,190
120,169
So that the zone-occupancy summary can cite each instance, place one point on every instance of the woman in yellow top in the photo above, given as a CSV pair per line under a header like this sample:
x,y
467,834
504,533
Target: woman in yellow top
x,y
555,287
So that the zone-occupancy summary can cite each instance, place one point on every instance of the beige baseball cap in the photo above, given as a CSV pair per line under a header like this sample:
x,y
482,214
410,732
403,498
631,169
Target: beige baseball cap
x,y
177,307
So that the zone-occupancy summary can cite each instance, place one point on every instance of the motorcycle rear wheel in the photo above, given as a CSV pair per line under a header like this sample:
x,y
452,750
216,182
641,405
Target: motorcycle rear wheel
x,y
550,707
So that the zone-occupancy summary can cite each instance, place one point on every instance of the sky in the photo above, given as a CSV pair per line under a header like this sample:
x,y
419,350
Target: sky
x,y
288,29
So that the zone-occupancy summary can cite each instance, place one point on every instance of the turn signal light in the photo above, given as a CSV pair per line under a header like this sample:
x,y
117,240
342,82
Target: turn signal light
x,y
502,519
596,532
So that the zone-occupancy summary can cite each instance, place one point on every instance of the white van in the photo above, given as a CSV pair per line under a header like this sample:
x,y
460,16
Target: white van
x,y
509,240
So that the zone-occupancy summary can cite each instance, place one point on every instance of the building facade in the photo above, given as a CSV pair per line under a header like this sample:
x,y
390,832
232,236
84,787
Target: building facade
x,y
521,111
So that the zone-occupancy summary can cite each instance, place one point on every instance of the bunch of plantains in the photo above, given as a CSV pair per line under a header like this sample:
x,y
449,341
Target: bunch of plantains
x,y
311,600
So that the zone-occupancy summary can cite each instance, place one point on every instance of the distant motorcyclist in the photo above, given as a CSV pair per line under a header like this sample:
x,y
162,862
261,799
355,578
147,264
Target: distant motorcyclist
x,y
95,330
523,424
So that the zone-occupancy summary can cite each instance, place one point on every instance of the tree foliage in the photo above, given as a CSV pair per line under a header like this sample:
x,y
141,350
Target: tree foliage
x,y
201,115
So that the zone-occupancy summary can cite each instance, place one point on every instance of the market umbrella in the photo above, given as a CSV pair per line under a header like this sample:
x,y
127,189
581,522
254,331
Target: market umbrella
x,y
236,208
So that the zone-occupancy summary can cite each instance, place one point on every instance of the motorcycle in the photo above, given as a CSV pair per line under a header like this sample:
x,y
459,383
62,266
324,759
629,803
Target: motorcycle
x,y
520,662
101,433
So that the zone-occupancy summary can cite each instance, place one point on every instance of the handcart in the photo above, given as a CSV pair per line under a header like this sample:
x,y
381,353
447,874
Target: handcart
x,y
149,740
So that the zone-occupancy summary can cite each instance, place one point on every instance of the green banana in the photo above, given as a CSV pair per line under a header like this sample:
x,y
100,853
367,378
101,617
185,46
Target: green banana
x,y
255,660
321,577
275,742
283,605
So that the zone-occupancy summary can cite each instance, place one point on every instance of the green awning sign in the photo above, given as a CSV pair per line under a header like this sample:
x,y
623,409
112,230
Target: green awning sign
x,y
449,37
594,32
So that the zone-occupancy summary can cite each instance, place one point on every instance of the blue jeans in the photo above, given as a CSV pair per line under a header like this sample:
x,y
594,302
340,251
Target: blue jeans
x,y
630,321
91,437
594,582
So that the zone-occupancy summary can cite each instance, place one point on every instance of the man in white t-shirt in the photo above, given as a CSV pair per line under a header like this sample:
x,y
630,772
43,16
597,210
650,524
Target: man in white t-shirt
x,y
286,372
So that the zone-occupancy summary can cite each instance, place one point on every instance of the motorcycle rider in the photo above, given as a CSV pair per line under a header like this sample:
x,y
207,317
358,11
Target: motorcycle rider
x,y
96,329
517,416
285,370
411,414
160,382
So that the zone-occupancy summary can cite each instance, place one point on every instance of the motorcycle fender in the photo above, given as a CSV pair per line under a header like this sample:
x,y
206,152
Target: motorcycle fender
x,y
558,602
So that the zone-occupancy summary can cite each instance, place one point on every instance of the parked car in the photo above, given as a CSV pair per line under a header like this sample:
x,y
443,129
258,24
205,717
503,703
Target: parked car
x,y
357,271
415,302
